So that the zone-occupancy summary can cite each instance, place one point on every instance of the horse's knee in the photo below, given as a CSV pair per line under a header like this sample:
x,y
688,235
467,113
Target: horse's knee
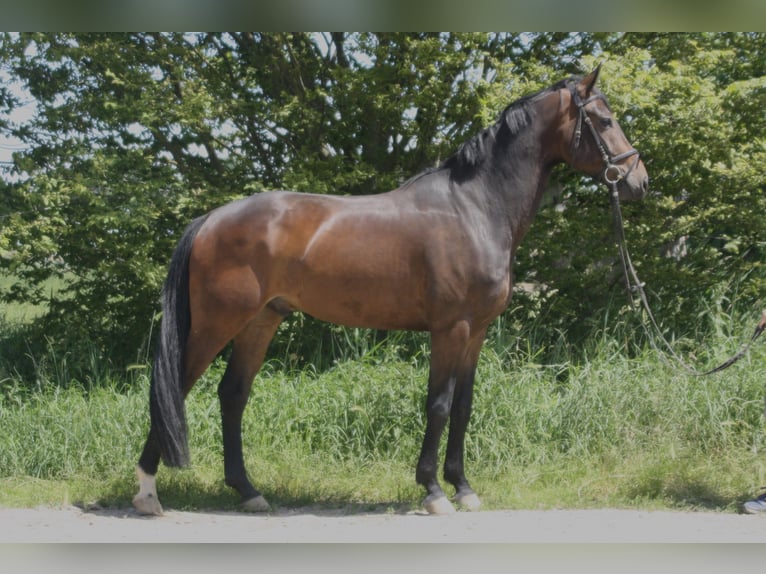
x,y
438,407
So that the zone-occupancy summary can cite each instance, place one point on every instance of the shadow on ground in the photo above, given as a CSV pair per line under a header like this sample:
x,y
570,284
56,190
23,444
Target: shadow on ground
x,y
196,496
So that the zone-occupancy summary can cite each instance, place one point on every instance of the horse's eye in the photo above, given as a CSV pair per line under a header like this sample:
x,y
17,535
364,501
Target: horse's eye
x,y
606,122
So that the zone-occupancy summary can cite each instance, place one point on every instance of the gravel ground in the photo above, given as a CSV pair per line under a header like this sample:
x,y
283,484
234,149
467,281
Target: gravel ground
x,y
547,541
308,525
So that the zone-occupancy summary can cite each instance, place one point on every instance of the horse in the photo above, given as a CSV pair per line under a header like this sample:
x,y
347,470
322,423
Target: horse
x,y
433,255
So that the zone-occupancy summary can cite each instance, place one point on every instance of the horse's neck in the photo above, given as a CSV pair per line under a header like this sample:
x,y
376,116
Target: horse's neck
x,y
528,203
514,190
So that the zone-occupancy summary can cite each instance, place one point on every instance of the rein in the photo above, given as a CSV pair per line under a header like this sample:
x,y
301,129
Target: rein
x,y
635,285
612,175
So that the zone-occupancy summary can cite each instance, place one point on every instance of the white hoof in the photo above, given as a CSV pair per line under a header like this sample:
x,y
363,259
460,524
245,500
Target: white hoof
x,y
257,504
147,505
146,501
438,504
468,501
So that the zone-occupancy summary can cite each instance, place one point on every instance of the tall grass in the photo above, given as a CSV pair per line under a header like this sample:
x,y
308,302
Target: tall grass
x,y
553,427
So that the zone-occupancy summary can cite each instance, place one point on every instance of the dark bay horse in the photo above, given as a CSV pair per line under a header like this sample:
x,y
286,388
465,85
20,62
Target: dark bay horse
x,y
433,255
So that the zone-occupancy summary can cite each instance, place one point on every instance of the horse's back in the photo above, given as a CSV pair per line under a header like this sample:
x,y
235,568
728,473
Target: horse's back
x,y
406,259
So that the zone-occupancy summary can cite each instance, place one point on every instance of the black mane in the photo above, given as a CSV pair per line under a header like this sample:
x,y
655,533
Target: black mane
x,y
513,120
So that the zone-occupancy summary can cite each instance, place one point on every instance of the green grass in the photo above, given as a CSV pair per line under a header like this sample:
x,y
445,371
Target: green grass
x,y
606,430
21,313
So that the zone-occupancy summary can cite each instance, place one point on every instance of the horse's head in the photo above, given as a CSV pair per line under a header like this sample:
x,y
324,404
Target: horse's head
x,y
594,143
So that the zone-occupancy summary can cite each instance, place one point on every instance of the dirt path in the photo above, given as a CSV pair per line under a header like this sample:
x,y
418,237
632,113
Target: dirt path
x,y
308,525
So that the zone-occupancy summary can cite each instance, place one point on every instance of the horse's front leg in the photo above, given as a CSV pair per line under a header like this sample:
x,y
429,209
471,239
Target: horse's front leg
x,y
440,389
446,350
454,466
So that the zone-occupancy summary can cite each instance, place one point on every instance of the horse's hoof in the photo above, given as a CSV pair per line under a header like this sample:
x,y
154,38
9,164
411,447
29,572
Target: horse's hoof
x,y
147,505
257,504
438,504
469,501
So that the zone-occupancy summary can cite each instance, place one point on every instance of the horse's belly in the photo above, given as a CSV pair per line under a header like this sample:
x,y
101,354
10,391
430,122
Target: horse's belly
x,y
360,272
375,305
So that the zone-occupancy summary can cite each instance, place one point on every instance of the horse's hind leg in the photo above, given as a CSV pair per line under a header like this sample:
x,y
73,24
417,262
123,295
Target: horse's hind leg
x,y
247,357
146,501
200,353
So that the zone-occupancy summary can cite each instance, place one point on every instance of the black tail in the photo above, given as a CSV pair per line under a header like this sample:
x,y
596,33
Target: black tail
x,y
166,399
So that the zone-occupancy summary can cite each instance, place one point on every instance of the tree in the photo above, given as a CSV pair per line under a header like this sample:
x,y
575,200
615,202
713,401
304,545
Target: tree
x,y
136,134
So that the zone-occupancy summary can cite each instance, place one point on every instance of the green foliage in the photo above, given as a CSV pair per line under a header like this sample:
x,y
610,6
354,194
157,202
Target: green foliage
x,y
698,236
133,135
605,430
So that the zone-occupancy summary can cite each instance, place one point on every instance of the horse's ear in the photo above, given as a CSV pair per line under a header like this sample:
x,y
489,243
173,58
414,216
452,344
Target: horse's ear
x,y
588,82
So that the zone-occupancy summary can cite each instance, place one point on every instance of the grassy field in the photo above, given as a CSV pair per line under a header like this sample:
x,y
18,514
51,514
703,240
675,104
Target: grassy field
x,y
602,425
601,431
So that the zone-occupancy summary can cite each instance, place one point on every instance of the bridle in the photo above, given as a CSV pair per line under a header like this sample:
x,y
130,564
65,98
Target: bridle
x,y
612,173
